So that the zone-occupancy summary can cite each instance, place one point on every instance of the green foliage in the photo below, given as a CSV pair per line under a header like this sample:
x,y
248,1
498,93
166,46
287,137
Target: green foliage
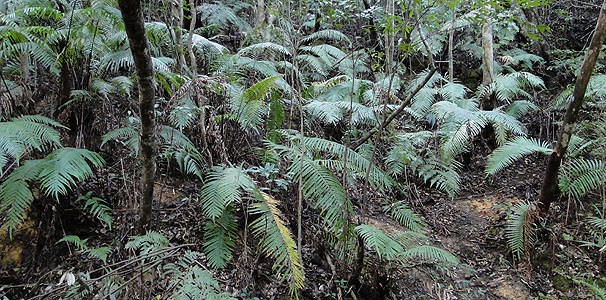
x,y
98,208
189,281
391,247
507,154
57,173
97,253
276,241
577,177
519,228
224,186
219,236
404,215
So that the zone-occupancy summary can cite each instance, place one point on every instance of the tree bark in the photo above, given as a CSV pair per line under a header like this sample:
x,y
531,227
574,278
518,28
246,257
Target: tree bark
x,y
177,23
550,189
451,45
487,57
132,14
2,7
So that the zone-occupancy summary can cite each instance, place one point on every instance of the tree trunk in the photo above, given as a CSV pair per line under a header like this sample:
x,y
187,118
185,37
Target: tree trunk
x,y
550,189
132,14
451,45
177,11
487,57
2,7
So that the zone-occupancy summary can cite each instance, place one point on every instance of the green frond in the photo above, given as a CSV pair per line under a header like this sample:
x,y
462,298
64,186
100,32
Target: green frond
x,y
519,229
276,240
223,187
98,208
441,175
219,236
577,177
64,167
263,48
326,34
430,253
375,239
74,240
404,215
514,150
520,108
151,241
321,186
189,281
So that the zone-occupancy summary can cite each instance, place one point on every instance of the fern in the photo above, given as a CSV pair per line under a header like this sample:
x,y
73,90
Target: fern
x,y
430,253
219,236
57,173
375,239
98,208
277,241
519,229
100,253
391,247
223,187
580,176
512,151
249,106
401,213
191,282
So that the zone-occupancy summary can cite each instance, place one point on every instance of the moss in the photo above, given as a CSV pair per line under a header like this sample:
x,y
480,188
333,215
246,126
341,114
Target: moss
x,y
561,282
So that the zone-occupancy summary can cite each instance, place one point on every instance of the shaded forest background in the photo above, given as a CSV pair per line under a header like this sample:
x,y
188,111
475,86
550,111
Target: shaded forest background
x,y
302,149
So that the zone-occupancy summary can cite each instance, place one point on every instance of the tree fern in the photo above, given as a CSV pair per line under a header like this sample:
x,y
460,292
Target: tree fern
x,y
514,150
277,241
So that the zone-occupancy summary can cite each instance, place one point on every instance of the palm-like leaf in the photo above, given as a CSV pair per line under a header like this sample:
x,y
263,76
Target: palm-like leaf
x,y
514,150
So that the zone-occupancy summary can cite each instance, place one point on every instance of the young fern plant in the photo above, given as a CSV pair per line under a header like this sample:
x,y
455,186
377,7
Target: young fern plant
x,y
226,187
55,174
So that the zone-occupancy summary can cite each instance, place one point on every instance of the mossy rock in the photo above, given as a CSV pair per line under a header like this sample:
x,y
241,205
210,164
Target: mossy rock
x,y
15,250
561,282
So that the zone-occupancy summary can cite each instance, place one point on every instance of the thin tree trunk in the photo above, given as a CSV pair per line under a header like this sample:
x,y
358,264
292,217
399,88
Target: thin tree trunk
x,y
132,14
550,190
396,113
487,57
194,68
451,45
177,10
2,7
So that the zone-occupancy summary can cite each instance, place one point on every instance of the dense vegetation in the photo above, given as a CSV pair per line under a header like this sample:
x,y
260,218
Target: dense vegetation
x,y
235,149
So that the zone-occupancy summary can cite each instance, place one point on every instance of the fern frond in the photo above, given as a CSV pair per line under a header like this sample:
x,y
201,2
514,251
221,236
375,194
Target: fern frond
x,y
375,239
223,187
326,34
219,236
514,150
430,253
579,176
98,208
277,241
519,229
66,166
404,215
